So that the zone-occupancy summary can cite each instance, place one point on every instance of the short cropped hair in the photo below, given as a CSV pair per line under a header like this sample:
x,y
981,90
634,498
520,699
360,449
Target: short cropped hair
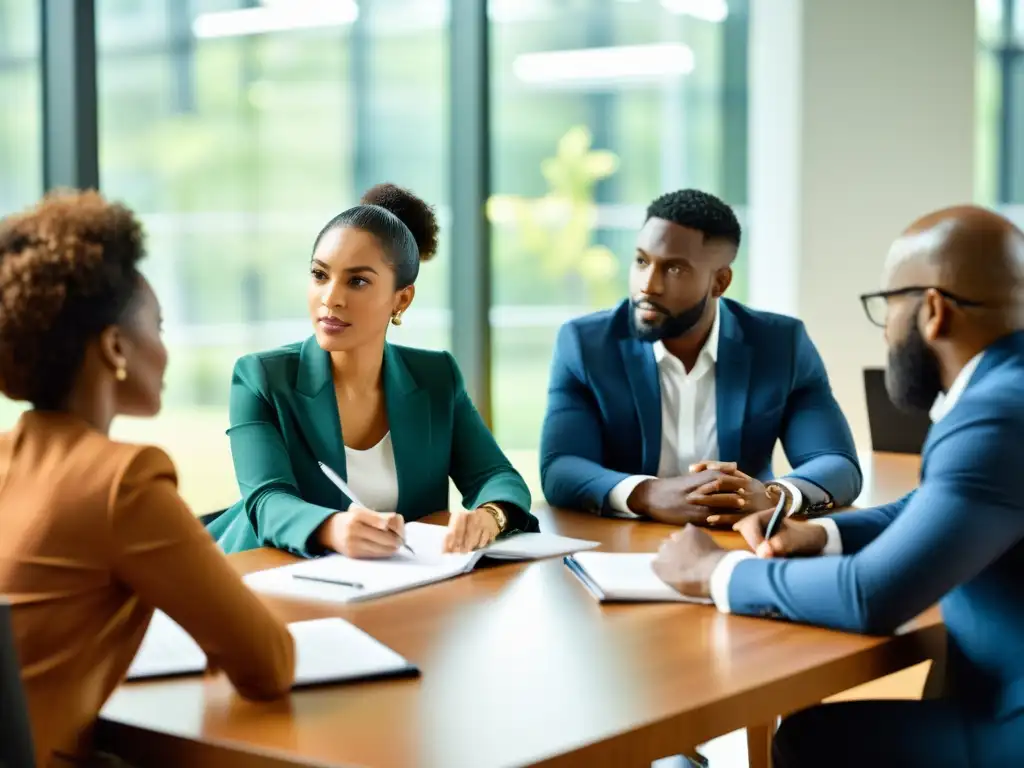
x,y
698,210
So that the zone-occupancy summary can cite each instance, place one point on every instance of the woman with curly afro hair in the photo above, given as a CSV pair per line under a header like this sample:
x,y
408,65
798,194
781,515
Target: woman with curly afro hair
x,y
393,421
93,533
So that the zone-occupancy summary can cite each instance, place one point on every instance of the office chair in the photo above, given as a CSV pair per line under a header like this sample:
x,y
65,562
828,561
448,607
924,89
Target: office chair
x,y
16,750
892,430
209,517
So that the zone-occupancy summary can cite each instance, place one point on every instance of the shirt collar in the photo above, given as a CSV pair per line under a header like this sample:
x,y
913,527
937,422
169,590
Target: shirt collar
x,y
710,348
945,401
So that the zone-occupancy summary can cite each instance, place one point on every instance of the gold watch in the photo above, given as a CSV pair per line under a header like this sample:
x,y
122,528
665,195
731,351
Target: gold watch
x,y
497,513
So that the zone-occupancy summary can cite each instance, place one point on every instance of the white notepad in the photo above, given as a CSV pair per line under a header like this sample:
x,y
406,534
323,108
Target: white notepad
x,y
334,651
624,577
341,579
326,651
166,649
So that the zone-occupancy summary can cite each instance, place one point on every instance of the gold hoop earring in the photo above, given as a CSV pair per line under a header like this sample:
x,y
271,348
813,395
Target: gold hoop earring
x,y
396,319
121,373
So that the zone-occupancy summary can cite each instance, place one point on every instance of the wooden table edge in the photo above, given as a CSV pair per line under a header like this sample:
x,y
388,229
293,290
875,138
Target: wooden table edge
x,y
684,730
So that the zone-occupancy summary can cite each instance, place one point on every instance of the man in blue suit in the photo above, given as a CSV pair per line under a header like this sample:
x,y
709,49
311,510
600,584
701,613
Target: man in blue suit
x,y
953,313
651,403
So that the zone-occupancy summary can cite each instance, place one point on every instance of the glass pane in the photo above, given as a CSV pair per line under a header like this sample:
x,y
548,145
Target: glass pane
x,y
993,20
237,139
987,116
21,124
1014,117
598,107
990,21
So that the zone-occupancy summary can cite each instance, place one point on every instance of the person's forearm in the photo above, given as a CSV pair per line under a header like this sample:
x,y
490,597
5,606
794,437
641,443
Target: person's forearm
x,y
813,494
283,520
813,499
640,500
833,474
575,482
517,519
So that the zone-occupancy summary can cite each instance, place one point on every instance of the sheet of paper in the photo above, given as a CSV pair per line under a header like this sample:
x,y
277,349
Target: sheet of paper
x,y
332,650
628,577
166,649
534,546
427,540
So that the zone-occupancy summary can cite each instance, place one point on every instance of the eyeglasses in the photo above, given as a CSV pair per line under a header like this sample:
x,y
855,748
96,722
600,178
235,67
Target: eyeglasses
x,y
876,305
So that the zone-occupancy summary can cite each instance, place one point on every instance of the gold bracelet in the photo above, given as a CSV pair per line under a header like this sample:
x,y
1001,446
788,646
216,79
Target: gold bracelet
x,y
497,513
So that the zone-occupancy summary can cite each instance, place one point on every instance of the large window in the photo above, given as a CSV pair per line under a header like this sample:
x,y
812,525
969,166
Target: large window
x,y
237,129
598,107
1000,105
21,121
21,162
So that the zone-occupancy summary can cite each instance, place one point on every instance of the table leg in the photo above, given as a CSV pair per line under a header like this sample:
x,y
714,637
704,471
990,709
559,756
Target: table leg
x,y
759,745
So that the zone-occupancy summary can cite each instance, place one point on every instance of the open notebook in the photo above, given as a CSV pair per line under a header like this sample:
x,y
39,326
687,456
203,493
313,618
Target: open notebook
x,y
624,577
326,651
341,579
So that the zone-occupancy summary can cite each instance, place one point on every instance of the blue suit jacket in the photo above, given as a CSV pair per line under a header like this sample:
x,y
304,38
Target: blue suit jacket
x,y
957,539
603,421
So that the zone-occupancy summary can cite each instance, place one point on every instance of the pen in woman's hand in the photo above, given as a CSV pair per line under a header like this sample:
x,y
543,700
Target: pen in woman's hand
x,y
342,486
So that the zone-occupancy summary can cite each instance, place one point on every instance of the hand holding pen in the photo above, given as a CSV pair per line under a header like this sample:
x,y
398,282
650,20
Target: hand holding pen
x,y
770,533
361,532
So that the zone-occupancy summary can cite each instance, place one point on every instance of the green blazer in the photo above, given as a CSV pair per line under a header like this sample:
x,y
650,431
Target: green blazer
x,y
284,419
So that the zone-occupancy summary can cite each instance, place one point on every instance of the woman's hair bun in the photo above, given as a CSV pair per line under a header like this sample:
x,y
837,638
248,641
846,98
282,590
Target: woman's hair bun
x,y
416,214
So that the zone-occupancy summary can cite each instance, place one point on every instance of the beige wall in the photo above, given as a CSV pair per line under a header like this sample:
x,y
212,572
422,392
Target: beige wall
x,y
861,119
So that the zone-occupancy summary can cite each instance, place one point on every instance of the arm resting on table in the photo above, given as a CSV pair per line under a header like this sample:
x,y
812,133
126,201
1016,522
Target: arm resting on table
x,y
954,526
481,472
571,444
164,555
263,468
815,435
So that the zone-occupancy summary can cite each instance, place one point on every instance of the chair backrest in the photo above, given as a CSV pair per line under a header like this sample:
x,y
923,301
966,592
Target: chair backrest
x,y
892,430
16,750
209,517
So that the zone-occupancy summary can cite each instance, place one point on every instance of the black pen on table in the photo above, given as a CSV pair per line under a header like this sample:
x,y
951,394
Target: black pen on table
x,y
326,580
335,478
778,515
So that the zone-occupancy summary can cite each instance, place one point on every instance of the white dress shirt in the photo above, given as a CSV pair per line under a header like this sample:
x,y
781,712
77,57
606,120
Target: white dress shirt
x,y
373,476
944,403
689,425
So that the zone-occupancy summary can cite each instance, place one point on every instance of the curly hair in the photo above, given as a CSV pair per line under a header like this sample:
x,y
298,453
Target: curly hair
x,y
405,225
68,270
698,210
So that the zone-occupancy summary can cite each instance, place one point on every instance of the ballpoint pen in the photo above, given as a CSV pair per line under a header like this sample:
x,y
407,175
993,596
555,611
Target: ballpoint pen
x,y
326,580
335,478
777,517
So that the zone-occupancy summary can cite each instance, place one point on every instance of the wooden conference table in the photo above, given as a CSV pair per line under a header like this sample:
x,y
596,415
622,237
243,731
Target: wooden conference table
x,y
521,666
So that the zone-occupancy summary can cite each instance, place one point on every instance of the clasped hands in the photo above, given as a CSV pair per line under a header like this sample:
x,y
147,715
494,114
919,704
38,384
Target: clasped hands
x,y
713,493
364,533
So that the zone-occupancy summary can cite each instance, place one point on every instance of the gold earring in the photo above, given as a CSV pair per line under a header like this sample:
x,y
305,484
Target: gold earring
x,y
396,319
121,373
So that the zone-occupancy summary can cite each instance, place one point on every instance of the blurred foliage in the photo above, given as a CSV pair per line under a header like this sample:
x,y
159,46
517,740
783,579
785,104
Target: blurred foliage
x,y
556,230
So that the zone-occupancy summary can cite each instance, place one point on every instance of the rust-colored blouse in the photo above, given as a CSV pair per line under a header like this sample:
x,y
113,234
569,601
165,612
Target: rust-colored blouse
x,y
93,537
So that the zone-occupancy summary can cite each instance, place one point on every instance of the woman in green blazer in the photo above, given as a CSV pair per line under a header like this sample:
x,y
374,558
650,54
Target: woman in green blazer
x,y
395,422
